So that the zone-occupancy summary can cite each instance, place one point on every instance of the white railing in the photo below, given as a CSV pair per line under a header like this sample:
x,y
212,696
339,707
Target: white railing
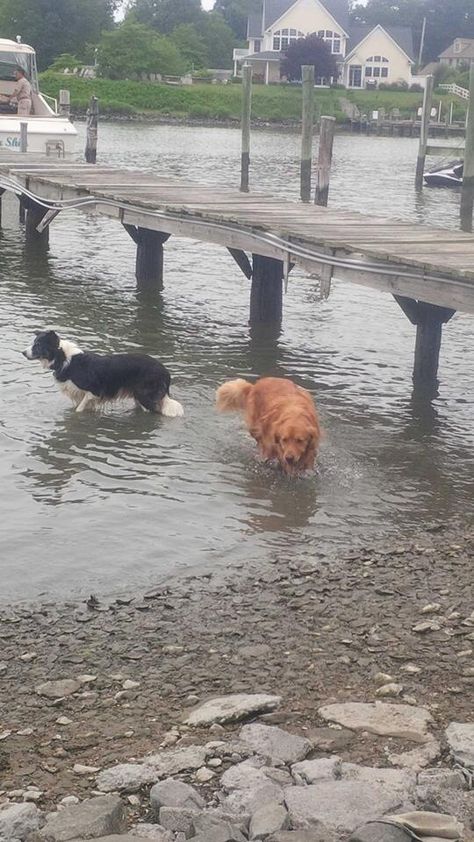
x,y
456,89
240,52
53,103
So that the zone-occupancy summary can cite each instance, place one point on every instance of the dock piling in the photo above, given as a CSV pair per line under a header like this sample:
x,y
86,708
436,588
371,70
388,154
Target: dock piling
x,y
34,215
326,140
428,320
266,296
425,125
65,103
246,114
150,258
467,191
307,72
92,130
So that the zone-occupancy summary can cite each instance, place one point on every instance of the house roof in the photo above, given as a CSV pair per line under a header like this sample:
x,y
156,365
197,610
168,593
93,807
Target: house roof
x,y
402,35
265,55
264,13
466,52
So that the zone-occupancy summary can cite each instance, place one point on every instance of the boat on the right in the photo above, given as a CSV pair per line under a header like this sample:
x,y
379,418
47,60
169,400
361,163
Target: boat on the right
x,y
448,175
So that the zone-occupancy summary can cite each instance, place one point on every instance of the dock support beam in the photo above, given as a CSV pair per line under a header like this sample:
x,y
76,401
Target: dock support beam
x,y
34,215
266,296
429,320
425,125
467,191
149,261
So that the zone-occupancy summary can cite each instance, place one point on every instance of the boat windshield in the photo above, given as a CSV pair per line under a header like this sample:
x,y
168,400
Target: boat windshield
x,y
9,61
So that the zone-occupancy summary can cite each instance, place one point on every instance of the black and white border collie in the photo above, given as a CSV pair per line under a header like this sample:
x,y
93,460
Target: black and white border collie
x,y
93,379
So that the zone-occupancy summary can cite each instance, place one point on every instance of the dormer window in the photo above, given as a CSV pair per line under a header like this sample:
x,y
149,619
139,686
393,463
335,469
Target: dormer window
x,y
331,38
457,46
284,37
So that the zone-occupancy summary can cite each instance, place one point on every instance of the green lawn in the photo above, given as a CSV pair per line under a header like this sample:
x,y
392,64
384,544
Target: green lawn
x,y
274,103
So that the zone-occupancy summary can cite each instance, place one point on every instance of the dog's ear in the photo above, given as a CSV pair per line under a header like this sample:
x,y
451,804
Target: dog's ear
x,y
52,338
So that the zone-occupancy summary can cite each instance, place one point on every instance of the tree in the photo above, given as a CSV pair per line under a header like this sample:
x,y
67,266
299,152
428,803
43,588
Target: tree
x,y
218,38
165,15
53,27
445,21
191,46
235,14
310,50
134,49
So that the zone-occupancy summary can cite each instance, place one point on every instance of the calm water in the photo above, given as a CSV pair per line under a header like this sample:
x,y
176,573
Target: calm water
x,y
109,501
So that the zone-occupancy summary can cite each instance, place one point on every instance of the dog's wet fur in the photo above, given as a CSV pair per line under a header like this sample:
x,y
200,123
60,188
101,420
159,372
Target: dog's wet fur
x,y
90,380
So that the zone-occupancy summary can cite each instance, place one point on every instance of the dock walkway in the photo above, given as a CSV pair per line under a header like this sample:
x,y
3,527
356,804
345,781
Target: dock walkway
x,y
430,271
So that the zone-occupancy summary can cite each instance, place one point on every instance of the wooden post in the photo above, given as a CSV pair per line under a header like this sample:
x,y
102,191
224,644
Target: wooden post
x,y
246,113
23,137
266,296
307,73
92,130
65,103
425,125
467,192
326,140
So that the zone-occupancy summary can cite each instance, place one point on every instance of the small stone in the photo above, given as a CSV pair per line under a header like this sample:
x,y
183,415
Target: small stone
x,y
26,732
86,678
81,769
267,819
172,649
3,667
383,678
133,800
191,700
203,775
33,795
69,800
214,762
426,626
152,832
418,758
330,739
431,608
312,771
380,832
28,656
63,720
216,729
411,669
232,708
58,689
130,685
182,759
393,689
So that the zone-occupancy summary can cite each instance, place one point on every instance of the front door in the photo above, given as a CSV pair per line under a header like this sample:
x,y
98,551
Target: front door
x,y
355,76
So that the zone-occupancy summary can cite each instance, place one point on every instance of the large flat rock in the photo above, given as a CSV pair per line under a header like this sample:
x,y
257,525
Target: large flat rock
x,y
17,821
91,819
232,708
460,737
272,742
387,720
342,806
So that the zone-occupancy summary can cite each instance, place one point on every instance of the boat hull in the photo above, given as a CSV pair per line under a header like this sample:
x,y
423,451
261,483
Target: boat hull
x,y
52,136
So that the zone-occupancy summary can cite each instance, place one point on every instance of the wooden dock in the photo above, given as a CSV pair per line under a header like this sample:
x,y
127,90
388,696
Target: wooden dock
x,y
429,271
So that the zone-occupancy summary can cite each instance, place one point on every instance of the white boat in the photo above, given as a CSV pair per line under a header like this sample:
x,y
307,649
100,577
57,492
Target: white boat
x,y
49,133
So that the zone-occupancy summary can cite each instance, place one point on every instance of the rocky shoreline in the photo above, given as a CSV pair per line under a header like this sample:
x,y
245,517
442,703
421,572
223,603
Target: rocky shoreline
x,y
84,687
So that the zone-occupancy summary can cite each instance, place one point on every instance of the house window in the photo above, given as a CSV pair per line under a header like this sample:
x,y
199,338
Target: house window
x,y
284,37
376,67
333,39
256,46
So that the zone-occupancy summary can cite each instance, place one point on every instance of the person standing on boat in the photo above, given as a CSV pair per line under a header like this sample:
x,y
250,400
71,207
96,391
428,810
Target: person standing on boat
x,y
22,93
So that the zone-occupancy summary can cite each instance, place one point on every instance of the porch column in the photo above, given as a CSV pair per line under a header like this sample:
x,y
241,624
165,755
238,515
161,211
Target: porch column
x,y
267,72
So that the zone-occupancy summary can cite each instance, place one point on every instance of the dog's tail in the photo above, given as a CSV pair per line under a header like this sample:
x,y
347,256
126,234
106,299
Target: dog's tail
x,y
232,396
171,408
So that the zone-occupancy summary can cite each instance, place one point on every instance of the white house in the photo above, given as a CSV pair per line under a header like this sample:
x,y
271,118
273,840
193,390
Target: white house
x,y
366,55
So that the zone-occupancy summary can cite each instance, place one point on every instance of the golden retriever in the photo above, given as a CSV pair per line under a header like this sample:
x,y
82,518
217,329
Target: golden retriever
x,y
280,416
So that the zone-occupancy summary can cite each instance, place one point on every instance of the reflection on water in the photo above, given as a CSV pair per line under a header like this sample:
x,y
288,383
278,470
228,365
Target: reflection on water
x,y
102,501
